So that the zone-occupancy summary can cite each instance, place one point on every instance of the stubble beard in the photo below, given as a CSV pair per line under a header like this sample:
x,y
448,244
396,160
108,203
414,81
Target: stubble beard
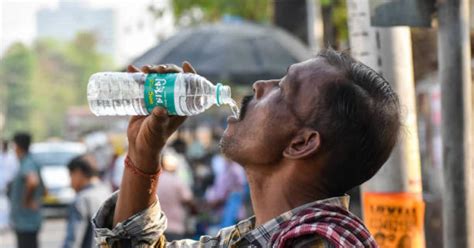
x,y
230,148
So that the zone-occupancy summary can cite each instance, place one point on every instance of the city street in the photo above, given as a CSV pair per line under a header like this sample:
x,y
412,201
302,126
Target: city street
x,y
52,234
292,108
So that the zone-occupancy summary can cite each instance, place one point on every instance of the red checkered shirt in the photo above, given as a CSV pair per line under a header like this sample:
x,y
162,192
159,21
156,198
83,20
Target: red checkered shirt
x,y
333,223
146,228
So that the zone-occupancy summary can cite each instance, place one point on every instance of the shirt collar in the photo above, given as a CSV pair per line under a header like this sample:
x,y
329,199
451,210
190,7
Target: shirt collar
x,y
249,234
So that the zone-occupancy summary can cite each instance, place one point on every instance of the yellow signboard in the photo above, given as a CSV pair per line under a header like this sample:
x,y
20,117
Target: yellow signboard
x,y
395,219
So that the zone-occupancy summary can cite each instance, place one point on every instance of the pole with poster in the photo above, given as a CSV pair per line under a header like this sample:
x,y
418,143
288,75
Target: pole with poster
x,y
393,207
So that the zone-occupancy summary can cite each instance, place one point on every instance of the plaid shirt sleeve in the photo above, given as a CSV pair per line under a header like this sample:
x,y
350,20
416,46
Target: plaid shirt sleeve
x,y
144,229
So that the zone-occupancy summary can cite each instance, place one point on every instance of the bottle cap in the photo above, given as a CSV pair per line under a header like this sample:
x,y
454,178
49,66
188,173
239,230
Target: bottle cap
x,y
218,94
223,94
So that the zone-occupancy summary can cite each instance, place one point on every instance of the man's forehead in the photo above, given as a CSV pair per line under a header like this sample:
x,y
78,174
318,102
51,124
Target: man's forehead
x,y
304,80
314,70
310,66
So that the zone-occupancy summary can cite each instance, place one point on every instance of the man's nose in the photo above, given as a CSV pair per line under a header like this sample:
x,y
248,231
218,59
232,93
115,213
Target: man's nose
x,y
261,86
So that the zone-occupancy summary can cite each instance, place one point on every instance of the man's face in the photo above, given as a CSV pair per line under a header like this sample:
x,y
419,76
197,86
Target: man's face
x,y
18,151
77,180
272,116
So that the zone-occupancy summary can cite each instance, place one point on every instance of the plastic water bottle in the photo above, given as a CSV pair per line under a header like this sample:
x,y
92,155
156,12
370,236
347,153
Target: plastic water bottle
x,y
121,93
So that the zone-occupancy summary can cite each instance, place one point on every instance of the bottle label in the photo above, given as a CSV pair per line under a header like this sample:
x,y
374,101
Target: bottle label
x,y
159,92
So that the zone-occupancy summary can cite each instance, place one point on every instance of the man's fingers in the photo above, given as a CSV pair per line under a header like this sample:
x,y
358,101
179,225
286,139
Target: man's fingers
x,y
159,116
168,68
132,68
175,122
187,67
136,118
157,121
146,68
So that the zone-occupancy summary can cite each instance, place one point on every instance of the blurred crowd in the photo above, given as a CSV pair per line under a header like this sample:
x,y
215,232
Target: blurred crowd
x,y
200,190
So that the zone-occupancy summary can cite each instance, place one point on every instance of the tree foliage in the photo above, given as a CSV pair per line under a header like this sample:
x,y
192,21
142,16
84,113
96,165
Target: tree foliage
x,y
213,10
42,82
194,11
16,74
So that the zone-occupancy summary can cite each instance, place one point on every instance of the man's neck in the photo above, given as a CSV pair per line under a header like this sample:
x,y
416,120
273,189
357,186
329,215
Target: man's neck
x,y
279,191
22,155
86,183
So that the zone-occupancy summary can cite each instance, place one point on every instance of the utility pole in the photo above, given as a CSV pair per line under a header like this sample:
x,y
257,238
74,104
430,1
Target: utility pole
x,y
315,25
398,184
301,18
291,15
456,106
402,171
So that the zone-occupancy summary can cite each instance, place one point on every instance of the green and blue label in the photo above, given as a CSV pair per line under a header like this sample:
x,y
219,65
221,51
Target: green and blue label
x,y
159,92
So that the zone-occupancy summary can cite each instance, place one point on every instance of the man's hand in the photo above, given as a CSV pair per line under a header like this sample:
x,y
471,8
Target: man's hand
x,y
32,205
32,182
148,135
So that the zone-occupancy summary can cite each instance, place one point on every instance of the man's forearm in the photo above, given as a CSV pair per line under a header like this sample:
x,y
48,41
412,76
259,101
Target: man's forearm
x,y
134,195
146,136
29,195
30,188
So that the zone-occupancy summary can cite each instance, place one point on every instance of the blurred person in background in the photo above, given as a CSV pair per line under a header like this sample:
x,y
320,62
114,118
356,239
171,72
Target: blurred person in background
x,y
90,194
117,171
26,193
8,168
113,174
225,196
229,178
184,170
196,149
176,196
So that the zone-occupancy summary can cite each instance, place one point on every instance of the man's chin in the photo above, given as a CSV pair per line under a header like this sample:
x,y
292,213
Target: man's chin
x,y
223,143
227,144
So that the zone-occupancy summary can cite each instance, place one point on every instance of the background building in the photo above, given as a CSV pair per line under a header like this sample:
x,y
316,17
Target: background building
x,y
122,30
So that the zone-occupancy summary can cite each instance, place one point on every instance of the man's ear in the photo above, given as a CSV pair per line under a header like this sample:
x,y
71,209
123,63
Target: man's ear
x,y
305,144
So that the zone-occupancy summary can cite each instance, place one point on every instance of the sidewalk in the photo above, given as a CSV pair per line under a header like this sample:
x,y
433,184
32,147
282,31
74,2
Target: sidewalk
x,y
51,235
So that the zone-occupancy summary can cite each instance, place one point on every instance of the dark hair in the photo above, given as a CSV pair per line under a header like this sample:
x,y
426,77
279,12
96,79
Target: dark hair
x,y
358,117
179,146
22,140
82,164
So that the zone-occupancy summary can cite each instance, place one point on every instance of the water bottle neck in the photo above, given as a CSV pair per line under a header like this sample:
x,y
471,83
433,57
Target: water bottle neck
x,y
223,95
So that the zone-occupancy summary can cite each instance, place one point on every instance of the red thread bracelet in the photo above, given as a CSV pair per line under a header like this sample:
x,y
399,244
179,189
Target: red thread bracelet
x,y
152,177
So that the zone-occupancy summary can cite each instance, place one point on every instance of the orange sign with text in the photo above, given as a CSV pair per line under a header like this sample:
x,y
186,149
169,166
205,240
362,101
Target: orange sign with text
x,y
395,219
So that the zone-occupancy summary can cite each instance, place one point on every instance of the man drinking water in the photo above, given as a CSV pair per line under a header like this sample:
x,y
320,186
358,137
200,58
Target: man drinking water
x,y
304,140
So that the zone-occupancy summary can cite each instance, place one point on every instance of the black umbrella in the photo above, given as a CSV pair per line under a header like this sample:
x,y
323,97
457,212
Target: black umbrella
x,y
233,53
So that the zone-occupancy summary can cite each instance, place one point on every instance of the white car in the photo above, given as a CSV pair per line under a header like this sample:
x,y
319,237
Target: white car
x,y
53,158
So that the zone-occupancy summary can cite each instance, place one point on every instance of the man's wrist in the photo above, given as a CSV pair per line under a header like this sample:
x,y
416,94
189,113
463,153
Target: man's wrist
x,y
147,165
152,178
137,170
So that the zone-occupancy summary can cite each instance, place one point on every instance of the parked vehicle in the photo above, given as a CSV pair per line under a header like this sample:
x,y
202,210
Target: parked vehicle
x,y
53,158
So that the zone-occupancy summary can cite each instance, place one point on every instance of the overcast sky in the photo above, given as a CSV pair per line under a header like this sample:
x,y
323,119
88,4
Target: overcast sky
x,y
18,17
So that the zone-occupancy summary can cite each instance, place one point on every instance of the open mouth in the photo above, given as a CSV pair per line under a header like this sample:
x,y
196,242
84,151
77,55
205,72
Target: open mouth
x,y
243,109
